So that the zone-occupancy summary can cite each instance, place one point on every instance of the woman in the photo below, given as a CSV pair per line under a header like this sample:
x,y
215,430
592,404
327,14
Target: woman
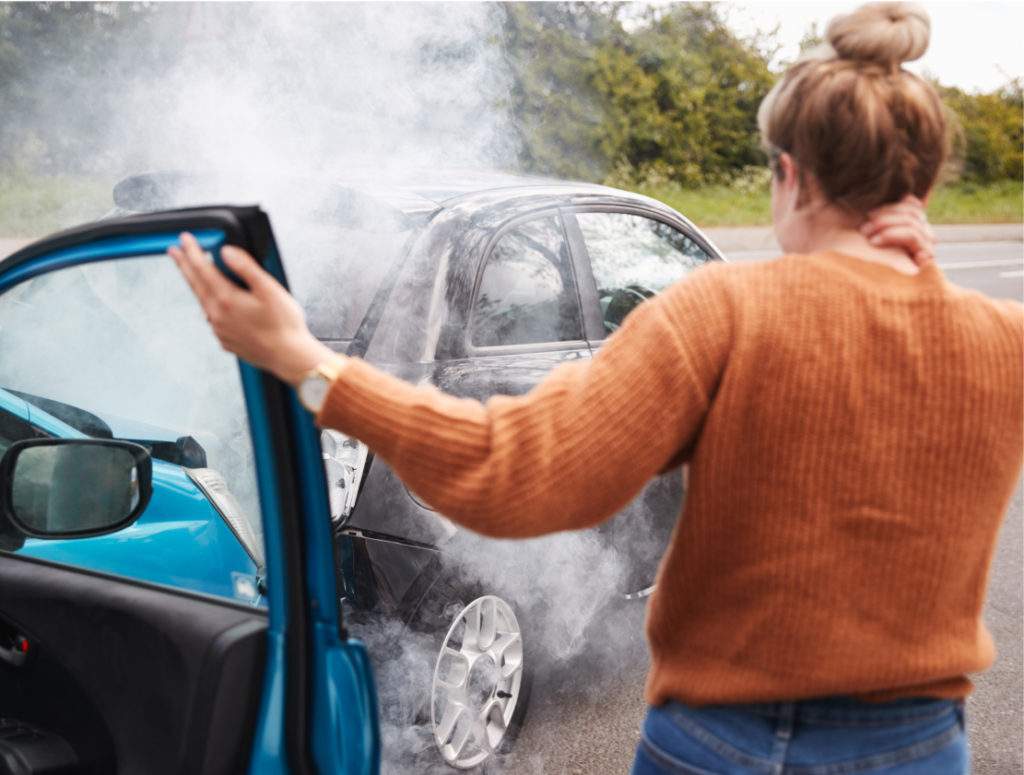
x,y
852,423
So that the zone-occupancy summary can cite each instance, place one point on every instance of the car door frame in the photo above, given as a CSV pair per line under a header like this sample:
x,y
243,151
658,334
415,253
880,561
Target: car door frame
x,y
593,323
315,681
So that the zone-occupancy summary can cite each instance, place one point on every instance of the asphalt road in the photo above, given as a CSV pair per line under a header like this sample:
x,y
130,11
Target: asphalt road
x,y
585,715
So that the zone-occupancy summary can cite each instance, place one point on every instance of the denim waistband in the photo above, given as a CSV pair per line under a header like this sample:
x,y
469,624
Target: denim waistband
x,y
850,709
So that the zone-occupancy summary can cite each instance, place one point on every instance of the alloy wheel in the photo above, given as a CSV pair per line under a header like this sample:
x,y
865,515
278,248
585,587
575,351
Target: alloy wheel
x,y
477,682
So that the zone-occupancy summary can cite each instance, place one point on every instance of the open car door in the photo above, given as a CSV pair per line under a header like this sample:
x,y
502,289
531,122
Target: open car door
x,y
200,634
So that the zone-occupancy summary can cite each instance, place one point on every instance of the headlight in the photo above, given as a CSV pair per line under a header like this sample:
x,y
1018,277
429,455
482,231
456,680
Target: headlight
x,y
216,490
344,462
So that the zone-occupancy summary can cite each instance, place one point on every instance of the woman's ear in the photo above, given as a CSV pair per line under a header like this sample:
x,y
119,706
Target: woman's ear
x,y
786,168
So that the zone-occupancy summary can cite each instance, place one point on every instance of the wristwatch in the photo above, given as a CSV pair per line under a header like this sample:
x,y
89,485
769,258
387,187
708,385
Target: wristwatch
x,y
316,383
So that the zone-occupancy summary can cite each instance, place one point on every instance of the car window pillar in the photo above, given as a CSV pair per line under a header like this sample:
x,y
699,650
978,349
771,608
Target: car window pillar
x,y
586,286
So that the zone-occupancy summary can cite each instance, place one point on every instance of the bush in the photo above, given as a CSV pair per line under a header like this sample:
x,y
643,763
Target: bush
x,y
990,132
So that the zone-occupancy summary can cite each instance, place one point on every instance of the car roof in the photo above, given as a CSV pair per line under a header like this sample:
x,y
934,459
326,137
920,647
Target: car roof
x,y
441,186
410,192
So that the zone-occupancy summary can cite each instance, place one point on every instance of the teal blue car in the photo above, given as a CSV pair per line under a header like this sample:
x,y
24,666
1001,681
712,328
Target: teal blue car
x,y
191,508
168,598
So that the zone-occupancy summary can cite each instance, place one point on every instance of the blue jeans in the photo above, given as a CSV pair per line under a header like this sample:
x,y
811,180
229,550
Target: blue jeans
x,y
833,736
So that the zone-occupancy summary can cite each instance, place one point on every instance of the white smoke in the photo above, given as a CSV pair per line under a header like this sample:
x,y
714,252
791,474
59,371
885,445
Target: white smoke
x,y
300,89
260,97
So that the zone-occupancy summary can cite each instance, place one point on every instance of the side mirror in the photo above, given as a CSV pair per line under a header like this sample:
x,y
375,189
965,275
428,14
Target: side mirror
x,y
74,488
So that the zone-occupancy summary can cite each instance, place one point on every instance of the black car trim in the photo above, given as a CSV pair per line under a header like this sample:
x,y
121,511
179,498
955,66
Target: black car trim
x,y
80,419
574,268
590,306
298,646
240,225
372,535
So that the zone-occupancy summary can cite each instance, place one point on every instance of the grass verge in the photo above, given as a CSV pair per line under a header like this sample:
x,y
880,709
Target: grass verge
x,y
1000,202
34,206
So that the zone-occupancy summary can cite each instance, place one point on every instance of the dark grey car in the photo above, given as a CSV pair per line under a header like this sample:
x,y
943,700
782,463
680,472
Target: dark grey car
x,y
479,284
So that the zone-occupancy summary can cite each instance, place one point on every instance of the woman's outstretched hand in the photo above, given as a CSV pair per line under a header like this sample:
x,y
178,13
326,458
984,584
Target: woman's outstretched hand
x,y
903,225
263,325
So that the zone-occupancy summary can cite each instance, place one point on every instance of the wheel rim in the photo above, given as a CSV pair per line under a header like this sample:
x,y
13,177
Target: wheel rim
x,y
477,682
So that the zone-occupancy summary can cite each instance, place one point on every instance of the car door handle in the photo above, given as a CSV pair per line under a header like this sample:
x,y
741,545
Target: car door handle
x,y
14,648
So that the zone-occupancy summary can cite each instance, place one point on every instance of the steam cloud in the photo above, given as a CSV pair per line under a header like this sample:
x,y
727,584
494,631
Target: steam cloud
x,y
259,95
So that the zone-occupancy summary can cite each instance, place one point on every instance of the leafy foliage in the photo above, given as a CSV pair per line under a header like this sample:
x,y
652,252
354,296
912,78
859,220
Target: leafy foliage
x,y
990,143
675,98
634,95
51,52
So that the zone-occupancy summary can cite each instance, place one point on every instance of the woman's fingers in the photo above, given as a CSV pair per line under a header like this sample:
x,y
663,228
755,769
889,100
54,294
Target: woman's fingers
x,y
245,266
902,225
185,267
216,288
908,239
897,219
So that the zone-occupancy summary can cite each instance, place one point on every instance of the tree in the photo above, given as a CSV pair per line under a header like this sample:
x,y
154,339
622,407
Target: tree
x,y
674,96
682,94
991,128
555,110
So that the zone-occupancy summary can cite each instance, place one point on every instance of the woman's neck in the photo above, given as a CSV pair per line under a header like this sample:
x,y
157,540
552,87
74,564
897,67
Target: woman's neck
x,y
829,230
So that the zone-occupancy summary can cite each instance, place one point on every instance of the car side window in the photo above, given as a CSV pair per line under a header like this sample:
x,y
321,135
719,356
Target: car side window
x,y
633,258
527,294
120,350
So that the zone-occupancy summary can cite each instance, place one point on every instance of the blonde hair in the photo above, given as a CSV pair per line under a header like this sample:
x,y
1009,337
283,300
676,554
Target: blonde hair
x,y
869,131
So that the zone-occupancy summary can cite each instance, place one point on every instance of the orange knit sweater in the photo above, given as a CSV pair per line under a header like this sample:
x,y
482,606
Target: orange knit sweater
x,y
853,434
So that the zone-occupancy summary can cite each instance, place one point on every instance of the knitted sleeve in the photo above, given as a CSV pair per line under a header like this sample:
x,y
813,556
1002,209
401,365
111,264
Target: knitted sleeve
x,y
575,449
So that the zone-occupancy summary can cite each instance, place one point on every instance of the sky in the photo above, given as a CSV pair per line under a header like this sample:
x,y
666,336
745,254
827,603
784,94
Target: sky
x,y
975,45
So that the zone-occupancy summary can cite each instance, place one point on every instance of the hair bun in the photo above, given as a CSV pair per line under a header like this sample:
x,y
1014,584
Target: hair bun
x,y
886,33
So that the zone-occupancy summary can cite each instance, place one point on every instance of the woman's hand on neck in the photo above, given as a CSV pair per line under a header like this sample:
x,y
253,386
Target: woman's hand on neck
x,y
896,235
845,238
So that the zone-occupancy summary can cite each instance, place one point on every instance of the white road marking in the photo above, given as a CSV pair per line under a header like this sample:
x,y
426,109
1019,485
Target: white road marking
x,y
985,245
981,264
1018,273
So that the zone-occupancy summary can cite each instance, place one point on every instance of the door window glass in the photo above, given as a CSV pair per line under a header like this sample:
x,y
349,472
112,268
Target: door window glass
x,y
633,258
120,349
527,293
